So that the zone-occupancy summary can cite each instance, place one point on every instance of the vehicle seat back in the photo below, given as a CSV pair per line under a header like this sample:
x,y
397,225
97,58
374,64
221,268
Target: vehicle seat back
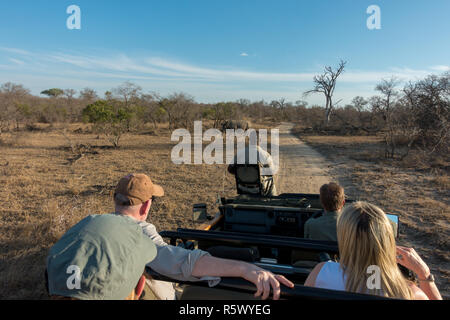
x,y
248,179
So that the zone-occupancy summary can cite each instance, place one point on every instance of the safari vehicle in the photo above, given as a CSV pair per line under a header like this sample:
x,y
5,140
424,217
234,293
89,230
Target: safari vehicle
x,y
266,231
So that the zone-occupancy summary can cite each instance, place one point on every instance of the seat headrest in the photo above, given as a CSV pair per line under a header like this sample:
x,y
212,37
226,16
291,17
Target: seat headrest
x,y
247,174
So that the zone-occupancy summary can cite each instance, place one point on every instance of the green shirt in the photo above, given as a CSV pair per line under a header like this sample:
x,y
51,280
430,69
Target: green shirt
x,y
322,228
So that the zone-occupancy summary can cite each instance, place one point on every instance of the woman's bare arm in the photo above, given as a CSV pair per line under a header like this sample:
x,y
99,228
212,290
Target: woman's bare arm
x,y
409,258
311,280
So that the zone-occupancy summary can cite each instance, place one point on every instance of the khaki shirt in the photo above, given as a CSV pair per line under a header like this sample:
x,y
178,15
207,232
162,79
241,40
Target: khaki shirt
x,y
322,228
174,262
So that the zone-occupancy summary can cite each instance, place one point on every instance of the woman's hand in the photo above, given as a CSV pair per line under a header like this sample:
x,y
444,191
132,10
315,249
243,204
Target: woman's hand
x,y
409,258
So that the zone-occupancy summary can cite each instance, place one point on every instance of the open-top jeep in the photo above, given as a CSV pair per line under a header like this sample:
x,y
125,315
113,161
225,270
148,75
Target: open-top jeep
x,y
266,231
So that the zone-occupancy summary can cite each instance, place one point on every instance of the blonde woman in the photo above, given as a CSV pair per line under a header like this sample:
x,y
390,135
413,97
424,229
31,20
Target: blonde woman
x,y
366,239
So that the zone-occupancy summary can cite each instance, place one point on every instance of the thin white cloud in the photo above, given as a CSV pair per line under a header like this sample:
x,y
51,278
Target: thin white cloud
x,y
213,83
350,76
156,66
15,50
403,74
442,68
17,61
220,74
118,63
244,54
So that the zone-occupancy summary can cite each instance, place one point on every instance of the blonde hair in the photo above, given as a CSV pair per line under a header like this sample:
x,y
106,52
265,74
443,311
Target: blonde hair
x,y
365,238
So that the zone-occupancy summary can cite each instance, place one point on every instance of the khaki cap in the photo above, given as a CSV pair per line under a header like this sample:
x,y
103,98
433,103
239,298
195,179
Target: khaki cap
x,y
135,189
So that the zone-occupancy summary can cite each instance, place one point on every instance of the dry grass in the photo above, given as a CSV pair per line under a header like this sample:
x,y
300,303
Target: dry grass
x,y
44,193
442,182
415,189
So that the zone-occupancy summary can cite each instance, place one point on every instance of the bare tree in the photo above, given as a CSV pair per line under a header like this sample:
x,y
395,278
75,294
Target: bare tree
x,y
429,102
326,83
223,111
387,88
179,108
128,92
385,106
243,102
153,110
127,95
12,104
359,103
88,95
279,104
218,115
69,95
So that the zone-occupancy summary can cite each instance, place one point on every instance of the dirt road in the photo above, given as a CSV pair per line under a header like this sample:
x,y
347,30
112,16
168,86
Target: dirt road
x,y
302,169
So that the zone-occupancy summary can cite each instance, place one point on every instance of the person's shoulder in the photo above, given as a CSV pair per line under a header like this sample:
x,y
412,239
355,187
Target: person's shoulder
x,y
313,221
329,268
147,226
320,265
311,280
150,231
326,218
332,264
261,151
310,226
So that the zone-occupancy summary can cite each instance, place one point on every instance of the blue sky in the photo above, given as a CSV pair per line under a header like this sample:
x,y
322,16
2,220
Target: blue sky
x,y
221,50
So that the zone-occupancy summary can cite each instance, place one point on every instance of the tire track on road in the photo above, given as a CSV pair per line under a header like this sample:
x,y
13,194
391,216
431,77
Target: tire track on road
x,y
302,169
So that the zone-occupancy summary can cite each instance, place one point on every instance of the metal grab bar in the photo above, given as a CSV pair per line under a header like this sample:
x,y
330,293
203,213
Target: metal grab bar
x,y
298,292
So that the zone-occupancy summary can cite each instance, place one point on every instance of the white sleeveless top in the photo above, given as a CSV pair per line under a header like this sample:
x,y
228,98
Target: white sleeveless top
x,y
331,277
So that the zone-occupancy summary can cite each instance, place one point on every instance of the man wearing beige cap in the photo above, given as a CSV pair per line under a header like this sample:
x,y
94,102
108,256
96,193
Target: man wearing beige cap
x,y
133,197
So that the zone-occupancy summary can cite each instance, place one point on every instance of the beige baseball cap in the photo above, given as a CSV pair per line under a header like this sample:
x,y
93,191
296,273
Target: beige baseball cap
x,y
135,189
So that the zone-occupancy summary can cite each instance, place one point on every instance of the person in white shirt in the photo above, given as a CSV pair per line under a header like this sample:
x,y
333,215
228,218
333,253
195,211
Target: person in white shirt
x,y
266,170
366,246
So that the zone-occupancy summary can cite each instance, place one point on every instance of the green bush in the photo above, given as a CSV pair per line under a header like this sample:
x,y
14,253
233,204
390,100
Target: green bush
x,y
109,120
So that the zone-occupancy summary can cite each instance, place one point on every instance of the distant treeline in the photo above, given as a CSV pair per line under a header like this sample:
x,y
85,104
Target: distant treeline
x,y
415,115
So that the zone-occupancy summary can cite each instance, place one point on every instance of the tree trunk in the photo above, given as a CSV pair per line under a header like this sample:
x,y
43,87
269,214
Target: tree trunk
x,y
327,117
327,110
